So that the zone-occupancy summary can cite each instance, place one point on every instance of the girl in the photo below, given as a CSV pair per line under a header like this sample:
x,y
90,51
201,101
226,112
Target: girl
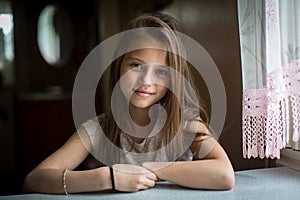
x,y
156,126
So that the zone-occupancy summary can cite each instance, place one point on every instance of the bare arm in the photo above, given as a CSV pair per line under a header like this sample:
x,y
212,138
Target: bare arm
x,y
47,177
212,171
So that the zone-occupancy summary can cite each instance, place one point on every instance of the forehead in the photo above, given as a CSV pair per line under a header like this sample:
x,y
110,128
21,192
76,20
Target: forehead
x,y
148,55
146,41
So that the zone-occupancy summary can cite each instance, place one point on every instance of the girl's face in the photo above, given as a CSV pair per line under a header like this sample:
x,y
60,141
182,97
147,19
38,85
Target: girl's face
x,y
145,77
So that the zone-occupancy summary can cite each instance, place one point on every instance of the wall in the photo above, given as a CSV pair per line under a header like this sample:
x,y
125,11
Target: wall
x,y
35,121
33,73
7,142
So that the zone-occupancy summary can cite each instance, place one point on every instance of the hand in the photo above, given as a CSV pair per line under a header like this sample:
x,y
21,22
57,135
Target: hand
x,y
132,178
159,168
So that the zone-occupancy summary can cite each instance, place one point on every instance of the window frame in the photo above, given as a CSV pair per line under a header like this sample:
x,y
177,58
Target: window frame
x,y
289,158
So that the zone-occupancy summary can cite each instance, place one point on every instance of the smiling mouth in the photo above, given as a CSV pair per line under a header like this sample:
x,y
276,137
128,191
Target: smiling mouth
x,y
143,93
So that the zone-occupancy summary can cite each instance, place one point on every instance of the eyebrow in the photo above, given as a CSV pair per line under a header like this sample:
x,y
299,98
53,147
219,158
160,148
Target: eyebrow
x,y
135,58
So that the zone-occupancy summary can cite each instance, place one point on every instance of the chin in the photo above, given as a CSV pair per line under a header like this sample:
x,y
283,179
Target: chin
x,y
141,105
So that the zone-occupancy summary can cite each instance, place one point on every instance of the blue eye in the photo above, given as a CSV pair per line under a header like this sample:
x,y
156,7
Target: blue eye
x,y
162,72
136,66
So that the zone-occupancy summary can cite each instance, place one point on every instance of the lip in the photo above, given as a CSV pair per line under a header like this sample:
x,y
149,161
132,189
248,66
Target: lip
x,y
143,93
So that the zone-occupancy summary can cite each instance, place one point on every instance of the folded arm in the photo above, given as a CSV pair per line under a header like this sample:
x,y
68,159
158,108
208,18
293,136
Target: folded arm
x,y
47,177
211,168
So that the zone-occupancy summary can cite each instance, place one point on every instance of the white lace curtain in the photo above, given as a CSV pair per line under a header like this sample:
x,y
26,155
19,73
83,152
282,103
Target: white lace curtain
x,y
270,52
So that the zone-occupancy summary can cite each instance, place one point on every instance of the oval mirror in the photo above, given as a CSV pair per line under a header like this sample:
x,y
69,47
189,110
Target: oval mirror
x,y
54,35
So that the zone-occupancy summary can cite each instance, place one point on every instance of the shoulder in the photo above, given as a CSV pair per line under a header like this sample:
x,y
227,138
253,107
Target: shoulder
x,y
196,126
95,123
103,118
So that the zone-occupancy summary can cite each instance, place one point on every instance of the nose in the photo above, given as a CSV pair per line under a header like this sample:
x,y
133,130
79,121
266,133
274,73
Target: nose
x,y
146,78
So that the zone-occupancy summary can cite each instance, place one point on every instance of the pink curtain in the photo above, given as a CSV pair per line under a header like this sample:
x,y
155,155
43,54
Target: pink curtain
x,y
270,53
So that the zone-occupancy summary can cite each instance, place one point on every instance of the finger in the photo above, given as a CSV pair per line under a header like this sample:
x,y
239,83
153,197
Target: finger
x,y
149,182
144,187
152,176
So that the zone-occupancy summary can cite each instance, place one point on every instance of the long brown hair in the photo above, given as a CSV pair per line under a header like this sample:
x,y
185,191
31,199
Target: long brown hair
x,y
188,95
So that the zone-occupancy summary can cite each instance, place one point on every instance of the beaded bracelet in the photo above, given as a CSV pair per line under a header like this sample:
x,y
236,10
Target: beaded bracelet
x,y
64,181
112,178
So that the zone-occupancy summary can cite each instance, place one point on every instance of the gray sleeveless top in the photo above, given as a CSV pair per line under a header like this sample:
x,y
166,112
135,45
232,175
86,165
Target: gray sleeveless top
x,y
129,152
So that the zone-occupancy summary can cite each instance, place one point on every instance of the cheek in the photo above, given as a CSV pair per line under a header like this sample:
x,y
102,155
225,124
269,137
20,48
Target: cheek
x,y
124,84
127,79
162,90
123,81
164,85
127,82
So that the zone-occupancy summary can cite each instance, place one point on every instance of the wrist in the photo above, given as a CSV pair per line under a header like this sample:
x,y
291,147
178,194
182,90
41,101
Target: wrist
x,y
104,178
159,168
64,181
112,178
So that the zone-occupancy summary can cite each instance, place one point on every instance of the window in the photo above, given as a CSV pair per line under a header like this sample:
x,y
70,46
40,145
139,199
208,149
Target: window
x,y
6,43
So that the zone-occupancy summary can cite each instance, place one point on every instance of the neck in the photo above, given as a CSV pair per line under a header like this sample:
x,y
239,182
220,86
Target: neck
x,y
140,116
